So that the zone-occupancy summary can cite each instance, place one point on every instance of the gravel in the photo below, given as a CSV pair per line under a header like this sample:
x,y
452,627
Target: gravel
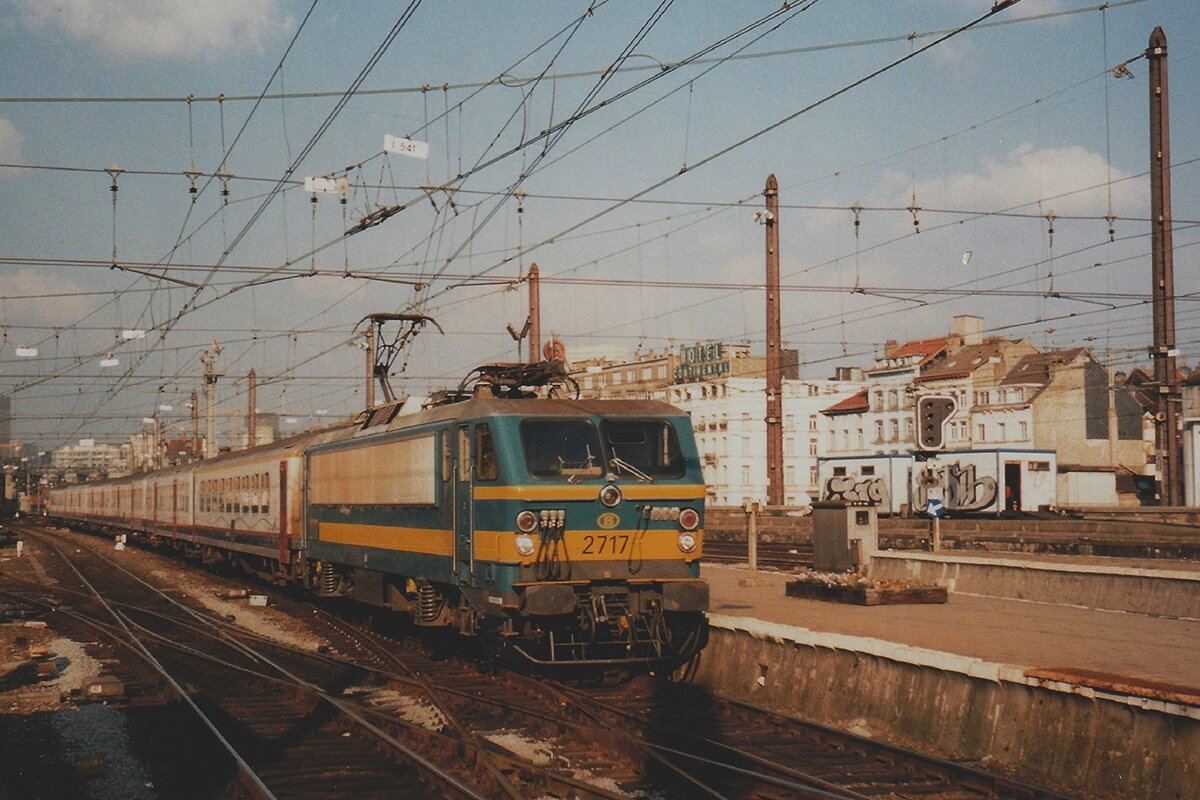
x,y
95,740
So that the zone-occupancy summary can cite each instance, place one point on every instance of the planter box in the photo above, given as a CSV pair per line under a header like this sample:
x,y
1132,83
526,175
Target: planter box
x,y
866,596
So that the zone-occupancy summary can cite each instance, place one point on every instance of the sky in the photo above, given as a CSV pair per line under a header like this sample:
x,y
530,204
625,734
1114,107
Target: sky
x,y
621,146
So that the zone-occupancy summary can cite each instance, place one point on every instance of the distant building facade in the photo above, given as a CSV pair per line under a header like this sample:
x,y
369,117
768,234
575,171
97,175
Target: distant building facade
x,y
729,419
87,458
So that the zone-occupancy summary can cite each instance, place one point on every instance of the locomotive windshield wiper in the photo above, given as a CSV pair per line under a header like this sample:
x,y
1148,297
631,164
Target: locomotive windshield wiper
x,y
620,464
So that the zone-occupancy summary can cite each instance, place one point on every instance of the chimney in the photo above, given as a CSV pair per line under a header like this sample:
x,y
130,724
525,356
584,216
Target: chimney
x,y
968,328
890,347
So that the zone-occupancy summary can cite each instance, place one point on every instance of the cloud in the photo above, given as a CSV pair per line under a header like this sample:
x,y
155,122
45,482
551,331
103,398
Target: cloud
x,y
11,141
1025,8
131,29
1068,180
18,306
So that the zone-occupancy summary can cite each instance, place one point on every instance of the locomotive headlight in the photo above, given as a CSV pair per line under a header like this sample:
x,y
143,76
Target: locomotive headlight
x,y
524,544
610,496
687,542
689,519
527,521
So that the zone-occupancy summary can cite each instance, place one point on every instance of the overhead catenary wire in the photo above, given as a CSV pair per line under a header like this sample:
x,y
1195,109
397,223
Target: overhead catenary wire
x,y
510,81
647,199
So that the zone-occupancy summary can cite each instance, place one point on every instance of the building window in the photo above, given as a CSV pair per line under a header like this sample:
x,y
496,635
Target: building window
x,y
893,400
812,447
1000,431
878,431
839,472
860,439
812,423
1023,427
867,470
789,446
789,477
894,430
745,475
877,400
979,433
908,429
812,475
745,445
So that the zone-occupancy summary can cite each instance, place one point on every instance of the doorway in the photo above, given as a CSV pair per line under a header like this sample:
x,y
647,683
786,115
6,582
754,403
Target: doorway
x,y
1012,485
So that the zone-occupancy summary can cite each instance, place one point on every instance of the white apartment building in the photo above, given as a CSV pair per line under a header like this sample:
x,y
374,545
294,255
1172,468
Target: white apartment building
x,y
87,457
729,419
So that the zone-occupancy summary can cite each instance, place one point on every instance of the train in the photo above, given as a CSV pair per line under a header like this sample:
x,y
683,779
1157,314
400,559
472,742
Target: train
x,y
559,533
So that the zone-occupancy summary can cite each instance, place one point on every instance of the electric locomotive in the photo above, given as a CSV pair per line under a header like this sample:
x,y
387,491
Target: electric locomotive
x,y
559,532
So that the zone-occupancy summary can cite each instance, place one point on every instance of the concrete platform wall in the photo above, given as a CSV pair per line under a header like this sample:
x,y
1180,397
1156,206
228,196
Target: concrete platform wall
x,y
1137,590
1090,743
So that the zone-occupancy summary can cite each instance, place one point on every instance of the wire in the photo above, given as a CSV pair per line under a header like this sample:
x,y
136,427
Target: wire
x,y
505,80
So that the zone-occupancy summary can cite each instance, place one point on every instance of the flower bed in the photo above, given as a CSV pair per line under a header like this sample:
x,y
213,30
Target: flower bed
x,y
860,589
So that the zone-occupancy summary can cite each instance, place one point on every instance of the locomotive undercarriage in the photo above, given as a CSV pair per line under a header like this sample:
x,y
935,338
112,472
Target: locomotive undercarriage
x,y
653,624
612,628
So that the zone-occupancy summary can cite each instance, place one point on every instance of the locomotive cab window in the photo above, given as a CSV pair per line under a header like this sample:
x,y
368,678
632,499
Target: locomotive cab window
x,y
487,468
561,448
646,446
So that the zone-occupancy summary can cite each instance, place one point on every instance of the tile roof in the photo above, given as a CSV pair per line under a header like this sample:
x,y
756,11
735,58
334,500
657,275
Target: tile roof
x,y
854,404
1035,367
963,362
925,348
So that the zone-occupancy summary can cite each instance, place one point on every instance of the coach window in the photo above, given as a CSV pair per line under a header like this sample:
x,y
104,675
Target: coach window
x,y
486,466
266,500
254,487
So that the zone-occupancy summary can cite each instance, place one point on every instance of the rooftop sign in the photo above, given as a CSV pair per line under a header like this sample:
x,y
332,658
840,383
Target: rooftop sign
x,y
701,361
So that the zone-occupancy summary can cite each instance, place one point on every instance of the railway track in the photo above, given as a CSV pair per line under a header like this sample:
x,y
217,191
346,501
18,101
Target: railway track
x,y
780,555
380,714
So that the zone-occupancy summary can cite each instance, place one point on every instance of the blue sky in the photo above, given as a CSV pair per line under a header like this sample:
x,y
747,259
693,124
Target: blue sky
x,y
1017,116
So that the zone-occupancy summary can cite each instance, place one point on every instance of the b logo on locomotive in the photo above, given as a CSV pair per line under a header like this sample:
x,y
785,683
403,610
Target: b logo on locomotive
x,y
608,520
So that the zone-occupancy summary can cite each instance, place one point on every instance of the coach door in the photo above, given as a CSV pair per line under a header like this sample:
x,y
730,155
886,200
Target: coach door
x,y
464,521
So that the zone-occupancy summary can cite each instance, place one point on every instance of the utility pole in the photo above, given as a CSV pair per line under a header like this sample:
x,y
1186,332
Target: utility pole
x,y
195,407
211,374
252,412
535,315
774,373
1166,377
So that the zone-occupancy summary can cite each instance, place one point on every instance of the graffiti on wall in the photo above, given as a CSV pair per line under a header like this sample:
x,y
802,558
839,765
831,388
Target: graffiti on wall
x,y
962,488
849,489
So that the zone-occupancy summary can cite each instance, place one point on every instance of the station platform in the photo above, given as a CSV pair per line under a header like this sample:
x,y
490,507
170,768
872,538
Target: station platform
x,y
1020,633
1024,667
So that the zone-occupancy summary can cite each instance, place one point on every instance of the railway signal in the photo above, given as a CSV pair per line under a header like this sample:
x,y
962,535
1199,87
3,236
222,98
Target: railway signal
x,y
933,410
